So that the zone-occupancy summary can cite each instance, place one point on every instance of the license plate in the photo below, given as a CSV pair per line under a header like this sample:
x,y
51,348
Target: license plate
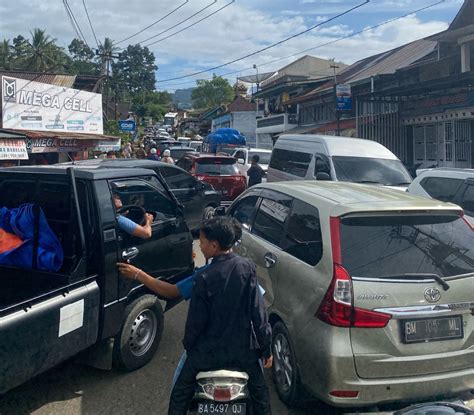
x,y
221,408
432,329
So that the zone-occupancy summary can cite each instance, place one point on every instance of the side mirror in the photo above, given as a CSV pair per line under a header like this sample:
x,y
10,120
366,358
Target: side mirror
x,y
219,211
323,176
241,161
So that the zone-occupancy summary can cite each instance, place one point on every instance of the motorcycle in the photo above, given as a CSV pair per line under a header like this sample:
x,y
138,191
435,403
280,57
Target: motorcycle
x,y
436,408
222,392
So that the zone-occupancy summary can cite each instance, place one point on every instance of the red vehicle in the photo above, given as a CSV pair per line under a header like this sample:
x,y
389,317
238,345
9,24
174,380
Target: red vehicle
x,y
219,171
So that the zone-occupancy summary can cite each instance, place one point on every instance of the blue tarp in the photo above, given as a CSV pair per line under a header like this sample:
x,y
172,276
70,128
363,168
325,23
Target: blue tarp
x,y
224,136
21,222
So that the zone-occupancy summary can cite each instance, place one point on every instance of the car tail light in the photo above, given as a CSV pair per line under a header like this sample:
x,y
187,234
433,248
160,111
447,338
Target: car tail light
x,y
344,394
337,307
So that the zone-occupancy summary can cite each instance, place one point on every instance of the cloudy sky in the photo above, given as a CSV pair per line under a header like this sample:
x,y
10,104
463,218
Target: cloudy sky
x,y
241,28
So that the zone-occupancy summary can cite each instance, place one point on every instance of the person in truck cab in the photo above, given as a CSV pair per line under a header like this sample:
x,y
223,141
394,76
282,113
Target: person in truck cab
x,y
129,226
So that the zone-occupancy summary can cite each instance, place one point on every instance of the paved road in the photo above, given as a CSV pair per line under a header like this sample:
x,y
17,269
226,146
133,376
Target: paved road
x,y
75,389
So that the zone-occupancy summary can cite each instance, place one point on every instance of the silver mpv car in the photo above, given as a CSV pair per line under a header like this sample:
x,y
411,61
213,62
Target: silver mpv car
x,y
370,291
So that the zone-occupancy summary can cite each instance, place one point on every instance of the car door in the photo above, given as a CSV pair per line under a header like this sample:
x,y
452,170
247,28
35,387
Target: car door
x,y
186,189
169,250
262,239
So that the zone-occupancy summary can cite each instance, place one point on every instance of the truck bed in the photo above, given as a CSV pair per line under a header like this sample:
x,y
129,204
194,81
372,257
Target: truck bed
x,y
21,286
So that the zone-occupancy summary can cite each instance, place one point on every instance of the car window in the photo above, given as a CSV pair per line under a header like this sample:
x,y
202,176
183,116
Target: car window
x,y
292,162
240,155
468,201
217,167
140,193
244,210
270,219
303,236
178,179
374,247
441,188
263,155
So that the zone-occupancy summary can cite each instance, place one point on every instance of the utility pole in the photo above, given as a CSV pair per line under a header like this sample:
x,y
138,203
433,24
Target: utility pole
x,y
106,69
338,113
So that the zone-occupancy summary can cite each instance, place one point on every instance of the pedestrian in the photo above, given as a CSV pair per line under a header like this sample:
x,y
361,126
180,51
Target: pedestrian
x,y
140,152
111,154
167,157
227,324
153,155
127,151
255,173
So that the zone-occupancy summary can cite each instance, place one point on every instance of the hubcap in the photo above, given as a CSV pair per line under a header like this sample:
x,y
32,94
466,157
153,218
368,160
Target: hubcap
x,y
282,363
143,332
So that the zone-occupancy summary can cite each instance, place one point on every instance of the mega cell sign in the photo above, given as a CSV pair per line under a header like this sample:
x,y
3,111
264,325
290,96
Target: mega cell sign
x,y
29,105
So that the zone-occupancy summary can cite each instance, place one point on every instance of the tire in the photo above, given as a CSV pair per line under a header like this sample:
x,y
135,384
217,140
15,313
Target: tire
x,y
140,334
285,368
208,213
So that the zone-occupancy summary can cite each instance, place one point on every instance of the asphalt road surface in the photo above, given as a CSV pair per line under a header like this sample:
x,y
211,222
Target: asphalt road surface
x,y
72,388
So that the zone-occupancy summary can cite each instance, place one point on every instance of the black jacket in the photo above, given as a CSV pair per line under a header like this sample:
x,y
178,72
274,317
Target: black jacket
x,y
227,315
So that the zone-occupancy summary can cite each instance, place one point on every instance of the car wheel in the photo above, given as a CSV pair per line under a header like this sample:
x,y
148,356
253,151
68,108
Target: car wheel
x,y
208,213
284,369
140,335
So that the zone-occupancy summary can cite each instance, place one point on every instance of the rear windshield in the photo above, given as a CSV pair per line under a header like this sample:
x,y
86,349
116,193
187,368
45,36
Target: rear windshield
x,y
379,246
371,170
216,167
264,156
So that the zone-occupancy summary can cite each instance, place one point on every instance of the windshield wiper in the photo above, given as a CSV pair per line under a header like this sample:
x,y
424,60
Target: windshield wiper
x,y
367,181
419,275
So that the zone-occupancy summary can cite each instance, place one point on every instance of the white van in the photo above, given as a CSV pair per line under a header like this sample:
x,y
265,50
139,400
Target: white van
x,y
322,157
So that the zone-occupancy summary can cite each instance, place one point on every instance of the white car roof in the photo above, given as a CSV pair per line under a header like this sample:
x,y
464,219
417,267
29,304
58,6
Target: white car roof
x,y
340,146
453,173
345,198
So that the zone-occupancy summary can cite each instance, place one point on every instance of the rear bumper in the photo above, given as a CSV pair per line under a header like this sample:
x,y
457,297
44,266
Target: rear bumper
x,y
326,364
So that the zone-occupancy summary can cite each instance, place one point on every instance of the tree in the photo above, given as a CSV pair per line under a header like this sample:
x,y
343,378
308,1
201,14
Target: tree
x,y
134,70
41,53
105,58
6,54
82,58
153,104
212,93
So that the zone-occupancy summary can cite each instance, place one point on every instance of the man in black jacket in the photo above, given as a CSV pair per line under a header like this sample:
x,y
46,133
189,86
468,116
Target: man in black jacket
x,y
227,323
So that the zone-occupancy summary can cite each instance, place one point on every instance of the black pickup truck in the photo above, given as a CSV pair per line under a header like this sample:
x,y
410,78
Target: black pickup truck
x,y
47,317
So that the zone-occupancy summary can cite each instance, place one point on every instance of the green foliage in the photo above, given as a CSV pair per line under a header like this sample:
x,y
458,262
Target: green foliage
x,y
82,57
212,93
151,104
111,128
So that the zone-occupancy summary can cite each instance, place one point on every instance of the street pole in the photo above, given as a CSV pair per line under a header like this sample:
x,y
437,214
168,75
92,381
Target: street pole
x,y
338,113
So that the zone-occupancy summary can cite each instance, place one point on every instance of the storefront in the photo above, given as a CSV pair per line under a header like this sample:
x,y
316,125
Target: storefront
x,y
441,129
12,149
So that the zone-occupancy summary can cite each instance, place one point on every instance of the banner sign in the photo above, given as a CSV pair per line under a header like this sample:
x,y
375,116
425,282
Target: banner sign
x,y
11,149
343,97
57,145
28,105
127,126
108,145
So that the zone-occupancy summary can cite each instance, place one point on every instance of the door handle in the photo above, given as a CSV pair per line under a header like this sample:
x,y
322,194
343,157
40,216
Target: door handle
x,y
270,260
129,254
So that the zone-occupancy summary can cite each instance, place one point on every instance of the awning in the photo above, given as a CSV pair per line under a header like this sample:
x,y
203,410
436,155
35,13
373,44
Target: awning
x,y
58,142
332,126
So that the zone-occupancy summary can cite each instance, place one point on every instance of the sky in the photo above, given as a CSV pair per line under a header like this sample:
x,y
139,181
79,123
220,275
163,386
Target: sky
x,y
243,27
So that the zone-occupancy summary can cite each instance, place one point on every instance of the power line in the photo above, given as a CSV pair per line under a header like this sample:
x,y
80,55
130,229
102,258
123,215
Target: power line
x,y
90,23
154,23
180,22
367,29
73,18
192,24
270,46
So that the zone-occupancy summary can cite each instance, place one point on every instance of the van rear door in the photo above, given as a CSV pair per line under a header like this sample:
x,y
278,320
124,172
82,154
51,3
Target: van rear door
x,y
418,269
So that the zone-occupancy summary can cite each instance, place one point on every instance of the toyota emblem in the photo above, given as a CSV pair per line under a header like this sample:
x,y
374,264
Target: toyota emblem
x,y
432,295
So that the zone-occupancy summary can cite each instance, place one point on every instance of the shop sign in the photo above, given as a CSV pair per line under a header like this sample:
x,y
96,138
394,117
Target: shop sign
x,y
13,149
127,126
108,145
29,105
439,104
343,97
57,145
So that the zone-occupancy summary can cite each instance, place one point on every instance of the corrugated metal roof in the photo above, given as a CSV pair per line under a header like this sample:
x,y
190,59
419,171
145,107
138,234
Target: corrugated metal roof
x,y
66,81
393,60
55,134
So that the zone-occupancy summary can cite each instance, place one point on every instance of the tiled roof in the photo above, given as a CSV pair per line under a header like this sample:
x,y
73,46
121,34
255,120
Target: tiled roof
x,y
240,104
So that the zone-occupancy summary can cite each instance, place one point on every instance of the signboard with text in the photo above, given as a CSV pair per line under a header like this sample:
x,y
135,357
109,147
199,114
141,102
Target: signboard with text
x,y
108,145
29,105
127,126
57,145
13,149
343,97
